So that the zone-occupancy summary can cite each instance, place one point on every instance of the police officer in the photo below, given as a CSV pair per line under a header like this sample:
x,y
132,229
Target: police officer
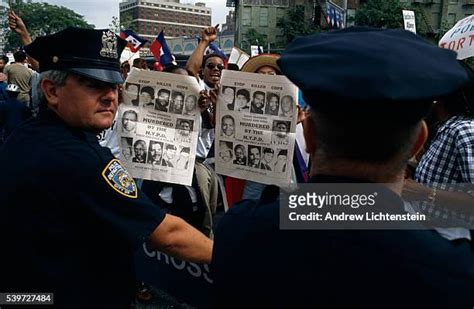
x,y
368,98
70,213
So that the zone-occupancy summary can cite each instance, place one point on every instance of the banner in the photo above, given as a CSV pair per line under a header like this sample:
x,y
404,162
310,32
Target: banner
x,y
255,129
159,125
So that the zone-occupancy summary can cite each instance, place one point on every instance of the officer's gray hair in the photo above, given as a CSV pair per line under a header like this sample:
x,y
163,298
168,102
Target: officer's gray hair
x,y
57,77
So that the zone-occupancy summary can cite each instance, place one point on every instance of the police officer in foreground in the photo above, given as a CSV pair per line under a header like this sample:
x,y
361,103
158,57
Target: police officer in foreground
x,y
70,214
368,97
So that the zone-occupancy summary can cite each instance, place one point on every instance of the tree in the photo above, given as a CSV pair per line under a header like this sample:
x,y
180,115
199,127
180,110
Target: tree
x,y
380,14
294,25
126,22
43,19
253,36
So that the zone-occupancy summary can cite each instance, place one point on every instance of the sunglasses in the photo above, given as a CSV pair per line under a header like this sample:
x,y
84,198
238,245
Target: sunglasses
x,y
212,66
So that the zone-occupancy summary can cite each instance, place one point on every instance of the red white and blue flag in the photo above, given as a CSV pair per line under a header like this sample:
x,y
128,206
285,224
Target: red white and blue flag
x,y
161,51
135,42
213,49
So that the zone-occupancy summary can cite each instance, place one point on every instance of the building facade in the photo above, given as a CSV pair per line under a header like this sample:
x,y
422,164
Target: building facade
x,y
263,16
148,17
229,26
440,15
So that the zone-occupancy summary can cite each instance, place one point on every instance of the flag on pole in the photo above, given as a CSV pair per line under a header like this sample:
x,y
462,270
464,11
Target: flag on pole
x,y
135,42
161,51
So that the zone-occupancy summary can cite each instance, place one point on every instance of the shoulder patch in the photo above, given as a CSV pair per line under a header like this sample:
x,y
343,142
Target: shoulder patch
x,y
119,179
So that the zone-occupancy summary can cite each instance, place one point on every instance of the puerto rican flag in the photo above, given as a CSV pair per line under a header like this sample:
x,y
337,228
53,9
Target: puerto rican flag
x,y
135,42
161,51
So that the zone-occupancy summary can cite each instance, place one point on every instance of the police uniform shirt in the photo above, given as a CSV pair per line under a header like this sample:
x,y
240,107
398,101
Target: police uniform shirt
x,y
255,262
70,217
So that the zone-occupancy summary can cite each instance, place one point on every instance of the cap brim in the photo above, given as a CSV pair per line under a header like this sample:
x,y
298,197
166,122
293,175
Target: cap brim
x,y
108,76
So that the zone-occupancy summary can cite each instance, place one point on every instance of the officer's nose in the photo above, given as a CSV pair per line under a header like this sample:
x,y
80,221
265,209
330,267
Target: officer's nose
x,y
110,94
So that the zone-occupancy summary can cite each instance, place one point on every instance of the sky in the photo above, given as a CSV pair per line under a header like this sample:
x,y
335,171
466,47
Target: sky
x,y
100,12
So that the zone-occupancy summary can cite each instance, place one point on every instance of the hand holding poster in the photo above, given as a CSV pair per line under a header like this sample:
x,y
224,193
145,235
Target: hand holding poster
x,y
255,129
159,125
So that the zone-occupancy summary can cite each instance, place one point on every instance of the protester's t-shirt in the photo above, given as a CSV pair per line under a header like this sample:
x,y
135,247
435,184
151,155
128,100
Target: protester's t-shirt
x,y
206,135
20,75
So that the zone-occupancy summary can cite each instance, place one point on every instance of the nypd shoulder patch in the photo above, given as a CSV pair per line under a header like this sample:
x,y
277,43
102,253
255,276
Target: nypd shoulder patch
x,y
119,179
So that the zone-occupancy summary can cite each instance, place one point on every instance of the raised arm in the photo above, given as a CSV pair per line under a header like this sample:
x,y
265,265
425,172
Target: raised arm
x,y
17,25
194,63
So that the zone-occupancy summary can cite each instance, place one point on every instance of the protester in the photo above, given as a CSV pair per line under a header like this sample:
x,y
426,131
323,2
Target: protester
x,y
210,68
18,73
261,64
3,77
95,208
449,159
12,111
356,134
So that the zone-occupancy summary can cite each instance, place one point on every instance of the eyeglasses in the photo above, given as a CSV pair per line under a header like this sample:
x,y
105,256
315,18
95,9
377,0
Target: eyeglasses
x,y
212,66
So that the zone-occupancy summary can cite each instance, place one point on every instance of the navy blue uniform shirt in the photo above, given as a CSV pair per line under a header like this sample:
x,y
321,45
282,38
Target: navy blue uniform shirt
x,y
70,217
254,262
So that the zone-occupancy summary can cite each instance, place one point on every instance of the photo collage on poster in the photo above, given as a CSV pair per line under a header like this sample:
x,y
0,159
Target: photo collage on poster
x,y
255,128
158,125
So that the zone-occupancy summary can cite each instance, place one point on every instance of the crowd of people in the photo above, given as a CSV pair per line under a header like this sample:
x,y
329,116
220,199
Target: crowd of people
x,y
381,106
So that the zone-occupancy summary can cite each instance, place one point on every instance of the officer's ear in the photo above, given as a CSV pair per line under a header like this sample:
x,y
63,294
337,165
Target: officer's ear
x,y
50,90
422,136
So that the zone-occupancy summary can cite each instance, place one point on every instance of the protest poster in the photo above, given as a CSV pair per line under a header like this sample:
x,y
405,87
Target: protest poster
x,y
159,125
255,127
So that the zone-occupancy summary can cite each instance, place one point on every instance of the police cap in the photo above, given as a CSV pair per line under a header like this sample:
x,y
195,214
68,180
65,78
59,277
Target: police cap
x,y
391,72
87,52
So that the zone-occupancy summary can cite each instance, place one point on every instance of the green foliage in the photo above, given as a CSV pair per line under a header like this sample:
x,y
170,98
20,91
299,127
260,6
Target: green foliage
x,y
43,19
253,37
380,14
126,22
294,25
